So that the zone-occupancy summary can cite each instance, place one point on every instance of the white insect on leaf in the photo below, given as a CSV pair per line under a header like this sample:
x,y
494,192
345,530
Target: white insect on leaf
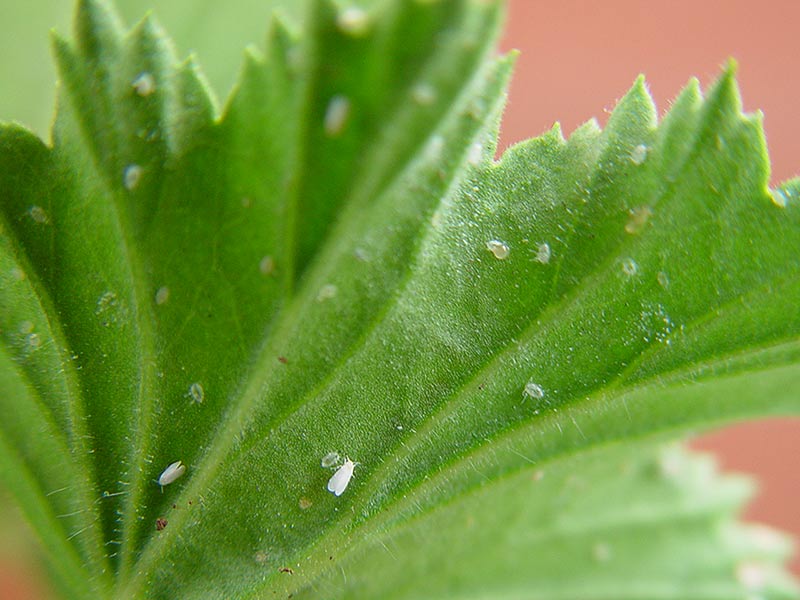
x,y
336,115
475,154
171,473
353,21
543,253
144,84
339,481
197,393
162,295
131,177
39,215
498,248
639,154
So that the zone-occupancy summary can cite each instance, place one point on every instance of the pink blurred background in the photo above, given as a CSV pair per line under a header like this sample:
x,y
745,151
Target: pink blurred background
x,y
577,58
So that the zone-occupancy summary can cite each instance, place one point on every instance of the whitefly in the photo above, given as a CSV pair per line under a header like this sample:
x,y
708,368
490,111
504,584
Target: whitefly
x,y
173,472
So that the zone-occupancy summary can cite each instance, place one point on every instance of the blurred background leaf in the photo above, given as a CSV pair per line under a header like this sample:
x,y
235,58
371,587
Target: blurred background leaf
x,y
216,35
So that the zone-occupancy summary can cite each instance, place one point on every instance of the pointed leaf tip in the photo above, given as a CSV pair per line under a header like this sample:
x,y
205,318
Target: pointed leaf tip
x,y
98,29
724,94
731,67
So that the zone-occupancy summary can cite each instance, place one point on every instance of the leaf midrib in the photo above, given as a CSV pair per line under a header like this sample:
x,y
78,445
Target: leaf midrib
x,y
409,444
550,316
227,431
306,401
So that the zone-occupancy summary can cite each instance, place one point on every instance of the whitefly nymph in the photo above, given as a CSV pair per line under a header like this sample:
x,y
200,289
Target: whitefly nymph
x,y
330,459
171,473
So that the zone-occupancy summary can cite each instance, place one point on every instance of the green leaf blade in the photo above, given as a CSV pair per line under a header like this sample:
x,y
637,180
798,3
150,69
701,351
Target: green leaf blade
x,y
249,291
357,252
359,93
653,526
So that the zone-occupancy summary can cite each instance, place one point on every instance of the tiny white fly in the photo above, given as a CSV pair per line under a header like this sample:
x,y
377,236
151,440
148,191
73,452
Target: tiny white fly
x,y
171,473
339,481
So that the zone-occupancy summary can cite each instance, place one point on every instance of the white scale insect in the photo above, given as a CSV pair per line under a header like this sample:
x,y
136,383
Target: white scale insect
x,y
339,481
171,473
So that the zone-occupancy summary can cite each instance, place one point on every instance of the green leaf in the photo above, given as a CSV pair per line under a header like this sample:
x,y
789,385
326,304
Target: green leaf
x,y
202,28
334,263
620,522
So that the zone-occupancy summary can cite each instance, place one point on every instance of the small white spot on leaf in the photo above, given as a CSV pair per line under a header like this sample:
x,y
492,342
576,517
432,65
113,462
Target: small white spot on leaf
x,y
131,177
330,459
197,393
327,292
361,254
162,295
423,94
629,267
336,115
433,151
267,265
637,219
498,248
543,253
533,390
475,154
639,154
34,341
39,215
107,308
353,21
144,84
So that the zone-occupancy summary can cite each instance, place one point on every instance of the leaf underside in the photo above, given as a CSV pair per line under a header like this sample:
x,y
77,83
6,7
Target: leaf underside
x,y
335,263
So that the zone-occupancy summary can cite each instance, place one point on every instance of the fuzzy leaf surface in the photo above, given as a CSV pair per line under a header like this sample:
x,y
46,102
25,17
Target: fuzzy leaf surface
x,y
336,263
